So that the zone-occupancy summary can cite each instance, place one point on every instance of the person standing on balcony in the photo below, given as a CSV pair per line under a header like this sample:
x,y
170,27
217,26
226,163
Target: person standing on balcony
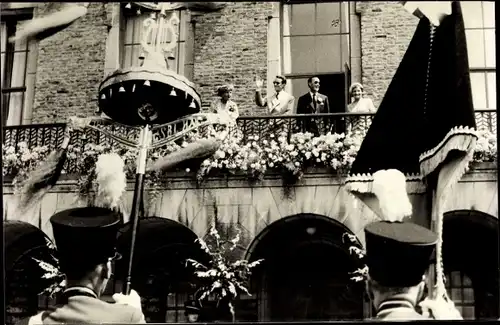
x,y
312,103
224,104
279,103
359,104
86,241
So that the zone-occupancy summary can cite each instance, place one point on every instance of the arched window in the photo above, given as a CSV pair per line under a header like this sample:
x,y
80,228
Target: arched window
x,y
461,291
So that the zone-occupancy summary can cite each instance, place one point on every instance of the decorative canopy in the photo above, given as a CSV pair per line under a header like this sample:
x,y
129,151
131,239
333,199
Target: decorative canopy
x,y
151,93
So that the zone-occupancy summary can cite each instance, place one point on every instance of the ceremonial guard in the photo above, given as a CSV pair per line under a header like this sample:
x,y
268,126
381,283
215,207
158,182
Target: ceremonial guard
x,y
86,239
398,255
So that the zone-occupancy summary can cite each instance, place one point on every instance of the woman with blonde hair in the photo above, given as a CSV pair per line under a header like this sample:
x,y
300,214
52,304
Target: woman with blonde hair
x,y
359,104
224,104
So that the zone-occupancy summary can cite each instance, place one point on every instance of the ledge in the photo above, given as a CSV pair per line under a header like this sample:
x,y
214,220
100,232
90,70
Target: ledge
x,y
479,172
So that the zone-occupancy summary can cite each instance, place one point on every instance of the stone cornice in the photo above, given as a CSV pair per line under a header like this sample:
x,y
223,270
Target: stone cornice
x,y
479,172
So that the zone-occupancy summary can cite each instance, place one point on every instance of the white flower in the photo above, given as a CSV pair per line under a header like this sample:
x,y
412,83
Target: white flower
x,y
297,164
206,163
214,164
271,164
188,170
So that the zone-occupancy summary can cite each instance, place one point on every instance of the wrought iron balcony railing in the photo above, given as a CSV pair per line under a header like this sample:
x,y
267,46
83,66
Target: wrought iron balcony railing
x,y
51,135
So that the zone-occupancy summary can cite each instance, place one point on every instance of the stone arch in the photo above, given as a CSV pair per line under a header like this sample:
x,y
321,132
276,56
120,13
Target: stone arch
x,y
306,263
277,224
470,246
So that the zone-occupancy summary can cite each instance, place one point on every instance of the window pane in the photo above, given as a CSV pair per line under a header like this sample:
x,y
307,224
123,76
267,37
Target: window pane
x,y
489,14
3,35
328,19
331,52
138,27
475,48
299,88
18,70
301,19
2,58
492,90
473,14
456,279
129,30
466,281
183,16
478,85
127,56
456,294
468,312
489,41
302,54
15,108
468,295
181,55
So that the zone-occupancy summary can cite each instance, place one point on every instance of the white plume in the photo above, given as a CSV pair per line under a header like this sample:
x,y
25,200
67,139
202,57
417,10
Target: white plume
x,y
111,180
390,188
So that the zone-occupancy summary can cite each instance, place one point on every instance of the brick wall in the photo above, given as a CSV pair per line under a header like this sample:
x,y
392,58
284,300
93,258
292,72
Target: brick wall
x,y
231,47
70,67
386,31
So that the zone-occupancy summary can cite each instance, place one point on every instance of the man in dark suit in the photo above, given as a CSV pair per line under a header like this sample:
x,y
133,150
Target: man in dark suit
x,y
312,103
86,239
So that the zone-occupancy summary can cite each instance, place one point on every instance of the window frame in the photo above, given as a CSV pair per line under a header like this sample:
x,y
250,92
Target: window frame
x,y
293,75
486,69
450,286
186,42
346,66
11,18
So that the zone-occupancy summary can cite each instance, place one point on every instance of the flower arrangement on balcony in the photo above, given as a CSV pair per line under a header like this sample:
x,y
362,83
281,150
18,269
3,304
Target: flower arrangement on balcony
x,y
221,279
253,157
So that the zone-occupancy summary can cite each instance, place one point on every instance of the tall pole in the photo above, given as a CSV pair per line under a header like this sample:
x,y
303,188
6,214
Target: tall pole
x,y
136,204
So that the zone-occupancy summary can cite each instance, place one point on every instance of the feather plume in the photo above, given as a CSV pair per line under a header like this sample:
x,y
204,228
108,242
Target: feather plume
x,y
199,149
43,27
111,180
389,186
44,177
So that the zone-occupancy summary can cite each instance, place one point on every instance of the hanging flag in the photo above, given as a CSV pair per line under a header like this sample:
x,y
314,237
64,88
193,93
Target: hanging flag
x,y
425,125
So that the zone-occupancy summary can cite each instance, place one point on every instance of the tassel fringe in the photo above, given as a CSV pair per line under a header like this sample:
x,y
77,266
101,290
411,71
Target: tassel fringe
x,y
363,183
459,138
448,178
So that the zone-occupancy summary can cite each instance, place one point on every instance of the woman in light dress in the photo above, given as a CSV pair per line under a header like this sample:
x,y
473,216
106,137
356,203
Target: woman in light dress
x,y
224,104
359,104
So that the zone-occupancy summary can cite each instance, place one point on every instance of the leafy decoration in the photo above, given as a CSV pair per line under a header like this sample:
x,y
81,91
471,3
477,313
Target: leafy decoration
x,y
220,278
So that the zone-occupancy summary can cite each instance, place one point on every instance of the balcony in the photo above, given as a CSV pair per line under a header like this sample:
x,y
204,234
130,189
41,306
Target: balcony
x,y
253,128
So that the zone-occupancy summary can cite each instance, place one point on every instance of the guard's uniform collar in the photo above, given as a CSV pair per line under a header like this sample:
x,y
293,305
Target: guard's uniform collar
x,y
392,305
78,291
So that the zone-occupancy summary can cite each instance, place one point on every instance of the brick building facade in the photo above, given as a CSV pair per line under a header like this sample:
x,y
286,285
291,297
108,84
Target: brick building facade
x,y
361,41
233,45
